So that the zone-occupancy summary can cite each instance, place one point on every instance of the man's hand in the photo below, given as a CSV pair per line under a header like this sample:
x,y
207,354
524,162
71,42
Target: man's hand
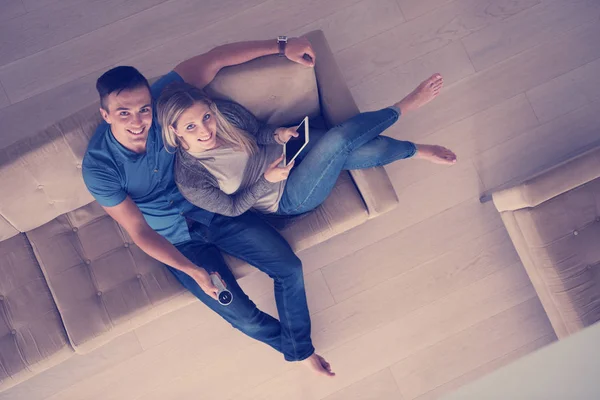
x,y
300,50
202,278
283,135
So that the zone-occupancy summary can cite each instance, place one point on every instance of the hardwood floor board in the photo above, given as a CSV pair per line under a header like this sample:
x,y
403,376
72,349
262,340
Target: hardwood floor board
x,y
379,386
471,349
399,339
467,138
415,8
566,92
485,369
390,87
10,9
46,27
355,23
539,148
507,79
125,38
539,24
418,202
78,367
422,35
416,284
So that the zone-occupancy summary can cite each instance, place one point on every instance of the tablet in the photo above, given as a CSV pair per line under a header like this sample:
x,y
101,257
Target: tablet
x,y
295,145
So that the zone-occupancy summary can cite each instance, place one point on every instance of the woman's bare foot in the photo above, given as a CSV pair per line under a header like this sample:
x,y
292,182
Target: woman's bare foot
x,y
423,94
435,154
318,364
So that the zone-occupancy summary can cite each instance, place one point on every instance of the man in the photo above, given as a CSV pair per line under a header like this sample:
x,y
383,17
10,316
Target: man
x,y
130,174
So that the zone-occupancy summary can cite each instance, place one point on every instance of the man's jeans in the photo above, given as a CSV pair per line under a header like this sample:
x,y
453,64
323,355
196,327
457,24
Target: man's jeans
x,y
249,238
354,144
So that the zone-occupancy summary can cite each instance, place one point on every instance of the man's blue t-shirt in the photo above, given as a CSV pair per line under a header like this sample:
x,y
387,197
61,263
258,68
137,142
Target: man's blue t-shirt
x,y
112,172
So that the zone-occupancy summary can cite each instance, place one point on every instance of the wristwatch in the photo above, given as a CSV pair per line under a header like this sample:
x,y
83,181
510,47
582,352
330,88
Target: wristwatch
x,y
281,42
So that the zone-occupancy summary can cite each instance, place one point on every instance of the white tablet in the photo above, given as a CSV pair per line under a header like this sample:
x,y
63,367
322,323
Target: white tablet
x,y
296,144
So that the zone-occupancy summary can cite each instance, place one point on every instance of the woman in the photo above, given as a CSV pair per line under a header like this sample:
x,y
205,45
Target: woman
x,y
227,162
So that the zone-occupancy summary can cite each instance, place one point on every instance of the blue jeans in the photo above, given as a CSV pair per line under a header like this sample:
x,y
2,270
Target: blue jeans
x,y
354,144
251,239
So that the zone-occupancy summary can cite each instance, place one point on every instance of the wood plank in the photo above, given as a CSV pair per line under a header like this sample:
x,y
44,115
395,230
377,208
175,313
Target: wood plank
x,y
507,79
491,366
567,92
539,24
399,339
125,38
468,137
62,376
418,286
553,142
190,349
418,202
46,27
423,35
451,61
10,9
342,28
471,349
415,8
379,386
4,102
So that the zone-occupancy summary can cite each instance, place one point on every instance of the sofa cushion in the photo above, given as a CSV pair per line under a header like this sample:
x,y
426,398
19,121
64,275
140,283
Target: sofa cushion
x,y
275,89
32,336
43,172
559,243
103,284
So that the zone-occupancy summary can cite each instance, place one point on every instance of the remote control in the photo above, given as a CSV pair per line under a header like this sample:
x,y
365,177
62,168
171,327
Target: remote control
x,y
224,295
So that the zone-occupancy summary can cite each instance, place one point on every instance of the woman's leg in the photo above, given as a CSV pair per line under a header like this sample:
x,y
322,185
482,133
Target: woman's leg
x,y
310,182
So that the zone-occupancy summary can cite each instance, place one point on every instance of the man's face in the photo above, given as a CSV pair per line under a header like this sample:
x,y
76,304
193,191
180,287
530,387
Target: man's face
x,y
129,114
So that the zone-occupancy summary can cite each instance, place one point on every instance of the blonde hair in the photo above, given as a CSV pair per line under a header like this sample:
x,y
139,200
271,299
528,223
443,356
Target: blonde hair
x,y
179,97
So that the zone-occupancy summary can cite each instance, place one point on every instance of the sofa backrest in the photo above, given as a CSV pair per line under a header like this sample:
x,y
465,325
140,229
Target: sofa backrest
x,y
40,177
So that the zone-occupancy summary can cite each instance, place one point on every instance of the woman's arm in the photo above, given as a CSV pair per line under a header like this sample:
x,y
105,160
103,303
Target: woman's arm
x,y
196,187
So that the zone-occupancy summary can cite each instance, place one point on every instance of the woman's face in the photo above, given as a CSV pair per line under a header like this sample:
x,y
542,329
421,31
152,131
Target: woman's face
x,y
197,127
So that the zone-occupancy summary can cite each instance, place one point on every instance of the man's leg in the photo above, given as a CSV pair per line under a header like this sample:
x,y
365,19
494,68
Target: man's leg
x,y
251,239
242,313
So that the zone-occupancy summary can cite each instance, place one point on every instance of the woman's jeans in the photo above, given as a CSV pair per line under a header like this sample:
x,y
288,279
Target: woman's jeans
x,y
355,144
249,238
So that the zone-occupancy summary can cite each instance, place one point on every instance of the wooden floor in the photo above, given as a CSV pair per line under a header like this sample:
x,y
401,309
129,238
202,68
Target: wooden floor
x,y
407,306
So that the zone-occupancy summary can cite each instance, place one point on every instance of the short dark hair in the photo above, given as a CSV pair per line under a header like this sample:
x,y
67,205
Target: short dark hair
x,y
119,79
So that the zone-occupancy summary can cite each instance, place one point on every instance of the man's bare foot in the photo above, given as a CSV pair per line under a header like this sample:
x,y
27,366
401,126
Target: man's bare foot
x,y
435,154
318,364
423,94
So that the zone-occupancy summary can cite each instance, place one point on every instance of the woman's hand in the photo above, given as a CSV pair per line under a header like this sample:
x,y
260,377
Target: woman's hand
x,y
274,173
283,135
202,278
300,50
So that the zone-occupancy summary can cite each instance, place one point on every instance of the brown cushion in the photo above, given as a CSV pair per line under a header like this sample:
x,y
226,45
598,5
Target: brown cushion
x,y
559,243
103,284
32,336
276,90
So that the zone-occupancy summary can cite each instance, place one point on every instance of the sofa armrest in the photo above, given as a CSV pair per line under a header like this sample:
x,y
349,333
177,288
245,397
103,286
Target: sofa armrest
x,y
548,184
338,105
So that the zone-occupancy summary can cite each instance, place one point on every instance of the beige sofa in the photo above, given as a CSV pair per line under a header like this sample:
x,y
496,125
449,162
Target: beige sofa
x,y
553,220
71,279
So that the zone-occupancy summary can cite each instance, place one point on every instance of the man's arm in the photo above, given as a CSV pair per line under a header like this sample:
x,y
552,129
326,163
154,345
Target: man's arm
x,y
129,216
202,69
